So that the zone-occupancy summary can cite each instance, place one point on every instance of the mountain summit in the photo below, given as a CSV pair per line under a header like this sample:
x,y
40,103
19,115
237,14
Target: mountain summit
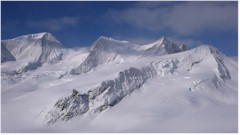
x,y
42,36
108,50
33,49
164,46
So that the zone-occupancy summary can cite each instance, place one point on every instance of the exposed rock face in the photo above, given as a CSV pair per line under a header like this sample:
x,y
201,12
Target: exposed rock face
x,y
30,66
69,107
108,93
183,47
5,54
91,61
111,92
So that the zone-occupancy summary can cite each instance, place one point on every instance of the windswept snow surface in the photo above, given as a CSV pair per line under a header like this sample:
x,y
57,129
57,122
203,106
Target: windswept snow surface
x,y
116,86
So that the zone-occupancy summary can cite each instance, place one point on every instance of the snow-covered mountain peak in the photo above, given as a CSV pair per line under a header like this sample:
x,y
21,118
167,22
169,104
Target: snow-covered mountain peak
x,y
103,38
162,41
164,46
34,49
38,36
103,43
50,37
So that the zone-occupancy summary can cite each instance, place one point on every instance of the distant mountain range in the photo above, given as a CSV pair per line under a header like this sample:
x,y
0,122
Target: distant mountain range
x,y
116,86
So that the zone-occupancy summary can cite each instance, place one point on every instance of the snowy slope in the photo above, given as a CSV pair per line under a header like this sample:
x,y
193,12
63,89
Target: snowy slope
x,y
117,86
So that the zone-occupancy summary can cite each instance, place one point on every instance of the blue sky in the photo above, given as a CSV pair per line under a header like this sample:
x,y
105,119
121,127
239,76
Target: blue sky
x,y
79,23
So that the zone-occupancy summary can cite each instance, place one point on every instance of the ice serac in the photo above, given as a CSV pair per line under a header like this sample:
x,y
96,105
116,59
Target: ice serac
x,y
34,48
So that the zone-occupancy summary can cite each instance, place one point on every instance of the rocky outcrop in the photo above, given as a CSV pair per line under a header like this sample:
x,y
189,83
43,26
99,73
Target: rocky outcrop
x,y
111,92
107,94
64,109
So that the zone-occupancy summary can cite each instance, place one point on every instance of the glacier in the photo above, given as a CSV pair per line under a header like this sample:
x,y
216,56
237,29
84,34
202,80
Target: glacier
x,y
116,86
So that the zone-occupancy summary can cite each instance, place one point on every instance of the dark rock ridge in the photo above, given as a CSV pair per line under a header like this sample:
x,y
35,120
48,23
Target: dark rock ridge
x,y
107,94
111,92
68,107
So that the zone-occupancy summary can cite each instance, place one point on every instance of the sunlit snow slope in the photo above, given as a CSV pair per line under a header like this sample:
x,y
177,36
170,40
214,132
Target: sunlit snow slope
x,y
116,86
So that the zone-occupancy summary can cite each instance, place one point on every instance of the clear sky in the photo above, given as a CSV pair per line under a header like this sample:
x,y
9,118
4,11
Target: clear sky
x,y
79,23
